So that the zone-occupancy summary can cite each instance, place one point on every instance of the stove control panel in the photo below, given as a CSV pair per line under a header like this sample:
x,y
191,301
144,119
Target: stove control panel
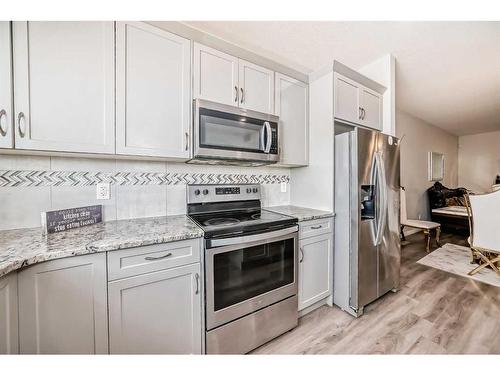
x,y
227,190
222,193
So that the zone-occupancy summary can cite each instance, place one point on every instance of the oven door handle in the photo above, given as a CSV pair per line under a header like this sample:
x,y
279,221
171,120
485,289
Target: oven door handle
x,y
252,238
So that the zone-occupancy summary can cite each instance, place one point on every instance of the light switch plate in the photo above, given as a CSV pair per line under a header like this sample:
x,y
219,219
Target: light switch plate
x,y
103,190
283,187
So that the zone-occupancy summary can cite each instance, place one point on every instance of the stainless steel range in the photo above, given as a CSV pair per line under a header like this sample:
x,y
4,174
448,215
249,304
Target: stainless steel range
x,y
250,267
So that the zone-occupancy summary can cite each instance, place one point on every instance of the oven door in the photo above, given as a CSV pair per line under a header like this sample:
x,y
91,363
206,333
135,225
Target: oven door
x,y
232,133
246,276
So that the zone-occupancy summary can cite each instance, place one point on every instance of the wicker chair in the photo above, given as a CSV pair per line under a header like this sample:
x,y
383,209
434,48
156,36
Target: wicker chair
x,y
484,222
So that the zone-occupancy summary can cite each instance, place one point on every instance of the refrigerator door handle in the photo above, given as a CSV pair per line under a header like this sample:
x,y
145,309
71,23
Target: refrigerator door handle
x,y
382,192
375,182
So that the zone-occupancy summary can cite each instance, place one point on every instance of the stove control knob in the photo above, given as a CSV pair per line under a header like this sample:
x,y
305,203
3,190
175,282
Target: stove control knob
x,y
205,191
249,190
197,192
255,190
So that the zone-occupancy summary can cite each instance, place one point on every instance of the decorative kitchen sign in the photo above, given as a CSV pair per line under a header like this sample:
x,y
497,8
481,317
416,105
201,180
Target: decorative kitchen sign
x,y
61,220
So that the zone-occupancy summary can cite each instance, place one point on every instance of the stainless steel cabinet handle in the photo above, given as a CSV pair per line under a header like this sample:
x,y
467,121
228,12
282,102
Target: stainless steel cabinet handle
x,y
317,227
162,257
242,95
3,123
21,124
363,113
236,94
197,278
360,113
187,141
302,255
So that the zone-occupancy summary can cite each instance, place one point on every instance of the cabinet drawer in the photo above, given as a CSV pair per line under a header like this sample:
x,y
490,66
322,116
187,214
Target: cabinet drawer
x,y
315,227
144,259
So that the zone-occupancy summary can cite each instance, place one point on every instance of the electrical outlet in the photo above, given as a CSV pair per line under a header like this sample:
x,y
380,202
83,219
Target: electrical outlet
x,y
283,187
103,190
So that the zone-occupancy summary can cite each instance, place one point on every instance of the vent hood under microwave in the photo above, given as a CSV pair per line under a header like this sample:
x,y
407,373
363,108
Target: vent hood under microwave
x,y
223,134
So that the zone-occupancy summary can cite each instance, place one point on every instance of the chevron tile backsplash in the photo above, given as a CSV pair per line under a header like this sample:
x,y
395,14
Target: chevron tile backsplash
x,y
29,178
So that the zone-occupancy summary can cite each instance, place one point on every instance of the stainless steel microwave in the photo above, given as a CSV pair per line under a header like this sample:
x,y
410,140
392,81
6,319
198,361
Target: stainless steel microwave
x,y
223,134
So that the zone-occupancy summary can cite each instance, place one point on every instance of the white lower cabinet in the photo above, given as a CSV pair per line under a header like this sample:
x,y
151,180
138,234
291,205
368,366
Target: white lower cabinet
x,y
8,315
157,313
62,306
315,269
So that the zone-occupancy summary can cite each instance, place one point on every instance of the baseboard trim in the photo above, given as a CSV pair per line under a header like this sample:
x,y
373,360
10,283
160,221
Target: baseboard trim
x,y
313,307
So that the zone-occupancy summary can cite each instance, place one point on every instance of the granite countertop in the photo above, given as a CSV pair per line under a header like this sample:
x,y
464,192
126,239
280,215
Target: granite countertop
x,y
301,213
23,247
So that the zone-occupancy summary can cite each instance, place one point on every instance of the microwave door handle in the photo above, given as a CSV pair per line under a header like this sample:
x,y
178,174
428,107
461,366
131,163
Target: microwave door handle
x,y
263,139
269,137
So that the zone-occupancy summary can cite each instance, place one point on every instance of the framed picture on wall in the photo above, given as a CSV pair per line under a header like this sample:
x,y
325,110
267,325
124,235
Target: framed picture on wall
x,y
436,166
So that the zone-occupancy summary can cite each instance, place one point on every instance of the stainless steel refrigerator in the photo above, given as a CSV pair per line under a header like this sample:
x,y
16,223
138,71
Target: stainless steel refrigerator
x,y
367,244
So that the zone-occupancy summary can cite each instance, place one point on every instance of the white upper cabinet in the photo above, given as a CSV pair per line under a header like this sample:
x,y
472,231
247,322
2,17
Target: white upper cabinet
x,y
256,87
356,103
370,103
64,86
215,75
346,99
292,109
153,96
6,123
225,79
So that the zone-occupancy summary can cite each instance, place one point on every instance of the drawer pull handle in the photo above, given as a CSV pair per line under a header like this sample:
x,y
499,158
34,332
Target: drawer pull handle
x,y
317,227
156,258
197,278
302,255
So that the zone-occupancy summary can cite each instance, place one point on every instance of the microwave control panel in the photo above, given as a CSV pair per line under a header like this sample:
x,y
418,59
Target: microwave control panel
x,y
274,141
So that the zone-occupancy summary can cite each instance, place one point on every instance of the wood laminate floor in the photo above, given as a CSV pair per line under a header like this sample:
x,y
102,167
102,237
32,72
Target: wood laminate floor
x,y
433,312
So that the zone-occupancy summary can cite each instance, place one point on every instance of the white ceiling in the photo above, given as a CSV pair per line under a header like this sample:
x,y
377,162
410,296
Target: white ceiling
x,y
448,73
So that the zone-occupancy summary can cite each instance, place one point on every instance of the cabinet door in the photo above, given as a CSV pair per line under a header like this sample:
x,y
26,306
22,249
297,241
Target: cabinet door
x,y
156,313
8,315
292,109
371,104
62,306
315,269
6,123
153,96
256,87
64,86
346,99
215,75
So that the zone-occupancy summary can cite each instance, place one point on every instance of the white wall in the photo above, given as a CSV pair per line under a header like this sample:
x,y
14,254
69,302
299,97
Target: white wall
x,y
478,160
420,138
20,206
313,185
